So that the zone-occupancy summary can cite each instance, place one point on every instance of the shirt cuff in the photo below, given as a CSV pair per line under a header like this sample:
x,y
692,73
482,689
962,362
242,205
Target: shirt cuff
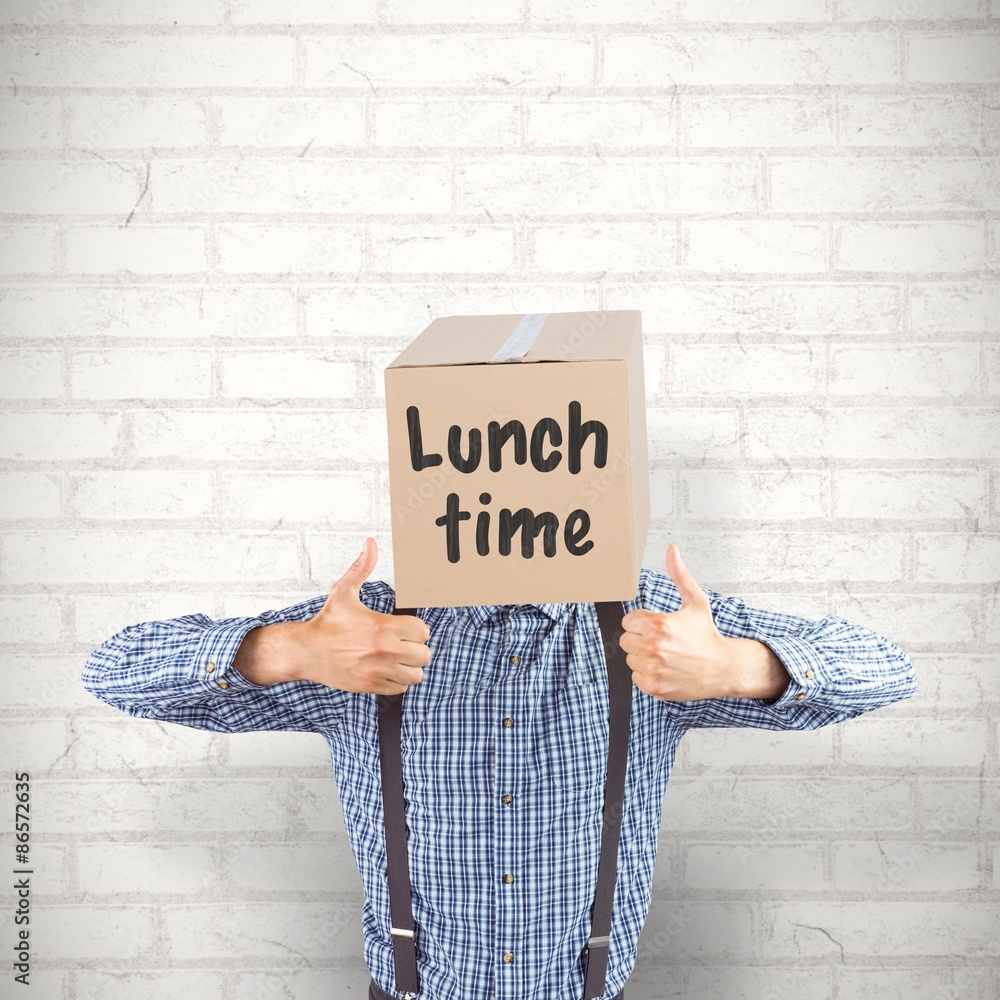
x,y
805,671
213,657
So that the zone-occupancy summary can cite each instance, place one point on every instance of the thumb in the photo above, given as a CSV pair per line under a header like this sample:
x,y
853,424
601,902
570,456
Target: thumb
x,y
687,586
349,585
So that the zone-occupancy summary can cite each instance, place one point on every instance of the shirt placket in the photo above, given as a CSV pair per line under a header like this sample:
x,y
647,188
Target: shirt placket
x,y
512,739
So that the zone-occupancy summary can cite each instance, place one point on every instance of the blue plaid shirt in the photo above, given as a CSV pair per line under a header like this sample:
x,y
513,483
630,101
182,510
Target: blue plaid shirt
x,y
483,799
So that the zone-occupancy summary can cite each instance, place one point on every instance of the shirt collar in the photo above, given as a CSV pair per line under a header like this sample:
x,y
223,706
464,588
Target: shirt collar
x,y
481,613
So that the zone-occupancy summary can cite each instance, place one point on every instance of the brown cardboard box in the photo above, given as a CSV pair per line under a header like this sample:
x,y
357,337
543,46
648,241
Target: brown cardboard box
x,y
517,460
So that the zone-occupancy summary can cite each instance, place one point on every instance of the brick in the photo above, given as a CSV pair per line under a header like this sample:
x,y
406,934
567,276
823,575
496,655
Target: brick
x,y
734,748
952,58
96,617
960,681
34,683
324,866
765,495
130,746
555,121
92,984
303,984
302,12
302,185
879,929
605,247
766,982
30,122
39,746
654,368
993,369
274,749
959,805
905,866
149,311
309,497
678,926
169,61
906,619
737,557
758,247
594,12
879,186
907,11
922,983
922,743
560,186
116,494
755,866
148,868
435,249
959,558
31,374
236,605
112,933
453,12
870,432
32,187
122,373
938,370
30,494
321,931
431,124
700,434
27,250
54,435
456,61
30,15
910,120
136,250
290,249
259,436
287,374
757,369
170,12
773,121
744,11
897,494
395,312
132,121
167,805
297,122
950,308
760,307
719,59
93,556
39,616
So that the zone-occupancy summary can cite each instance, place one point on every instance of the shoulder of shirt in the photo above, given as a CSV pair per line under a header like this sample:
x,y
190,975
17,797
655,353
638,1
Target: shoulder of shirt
x,y
658,593
380,596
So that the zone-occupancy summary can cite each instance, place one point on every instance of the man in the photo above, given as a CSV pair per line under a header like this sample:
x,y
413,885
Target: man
x,y
504,737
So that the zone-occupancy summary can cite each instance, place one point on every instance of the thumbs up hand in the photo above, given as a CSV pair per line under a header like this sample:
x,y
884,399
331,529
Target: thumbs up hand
x,y
680,655
348,646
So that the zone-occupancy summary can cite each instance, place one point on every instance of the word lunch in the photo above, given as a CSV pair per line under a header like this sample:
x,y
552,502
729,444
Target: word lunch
x,y
545,448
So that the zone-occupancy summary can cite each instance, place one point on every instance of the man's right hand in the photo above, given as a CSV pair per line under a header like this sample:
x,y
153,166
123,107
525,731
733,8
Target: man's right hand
x,y
345,645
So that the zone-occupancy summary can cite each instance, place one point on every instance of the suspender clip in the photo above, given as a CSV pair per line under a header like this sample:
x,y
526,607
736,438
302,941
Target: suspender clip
x,y
603,941
403,933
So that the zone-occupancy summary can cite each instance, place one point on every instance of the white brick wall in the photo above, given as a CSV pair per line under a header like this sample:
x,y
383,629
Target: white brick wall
x,y
220,220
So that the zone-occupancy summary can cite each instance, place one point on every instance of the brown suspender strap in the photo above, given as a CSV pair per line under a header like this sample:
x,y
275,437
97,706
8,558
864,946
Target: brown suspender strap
x,y
401,926
402,929
609,619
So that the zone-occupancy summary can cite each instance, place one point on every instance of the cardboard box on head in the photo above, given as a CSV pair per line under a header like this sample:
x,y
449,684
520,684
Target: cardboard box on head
x,y
518,470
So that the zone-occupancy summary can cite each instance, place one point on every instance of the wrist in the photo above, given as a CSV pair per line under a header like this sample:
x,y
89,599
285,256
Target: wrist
x,y
755,670
271,654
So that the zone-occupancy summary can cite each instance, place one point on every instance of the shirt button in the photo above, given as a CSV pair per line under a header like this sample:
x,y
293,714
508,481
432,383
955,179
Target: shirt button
x,y
210,667
515,660
507,723
224,685
809,675
508,879
800,696
508,957
506,799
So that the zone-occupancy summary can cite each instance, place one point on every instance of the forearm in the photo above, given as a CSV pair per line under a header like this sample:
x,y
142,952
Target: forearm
x,y
756,669
272,654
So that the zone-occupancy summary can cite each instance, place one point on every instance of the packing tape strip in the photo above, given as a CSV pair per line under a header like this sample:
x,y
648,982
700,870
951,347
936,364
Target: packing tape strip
x,y
521,340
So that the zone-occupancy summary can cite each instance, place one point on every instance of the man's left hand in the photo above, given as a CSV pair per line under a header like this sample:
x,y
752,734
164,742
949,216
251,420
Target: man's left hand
x,y
681,655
